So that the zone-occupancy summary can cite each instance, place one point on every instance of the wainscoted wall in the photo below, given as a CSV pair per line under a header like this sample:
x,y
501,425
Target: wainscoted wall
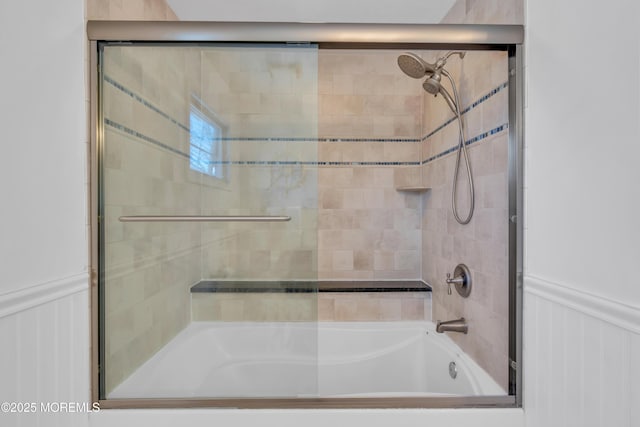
x,y
481,244
48,359
581,357
44,280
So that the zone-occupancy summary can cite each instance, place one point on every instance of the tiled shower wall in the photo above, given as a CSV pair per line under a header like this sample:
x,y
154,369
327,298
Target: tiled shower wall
x,y
148,266
370,119
343,163
266,98
482,244
334,168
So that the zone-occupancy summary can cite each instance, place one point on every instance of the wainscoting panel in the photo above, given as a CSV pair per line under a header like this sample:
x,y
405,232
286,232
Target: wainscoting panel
x,y
581,357
44,357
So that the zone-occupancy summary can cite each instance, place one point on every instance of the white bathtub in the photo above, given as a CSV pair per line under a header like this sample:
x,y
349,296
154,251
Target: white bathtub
x,y
327,359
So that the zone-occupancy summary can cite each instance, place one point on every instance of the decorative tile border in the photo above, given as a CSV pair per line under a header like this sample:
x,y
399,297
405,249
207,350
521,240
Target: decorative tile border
x,y
145,102
466,110
468,142
149,105
162,145
144,137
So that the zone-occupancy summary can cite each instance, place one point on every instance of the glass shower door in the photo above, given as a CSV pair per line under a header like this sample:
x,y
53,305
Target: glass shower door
x,y
208,176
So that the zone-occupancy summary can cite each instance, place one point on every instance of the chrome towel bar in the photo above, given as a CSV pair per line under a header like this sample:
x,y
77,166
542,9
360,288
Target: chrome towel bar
x,y
202,218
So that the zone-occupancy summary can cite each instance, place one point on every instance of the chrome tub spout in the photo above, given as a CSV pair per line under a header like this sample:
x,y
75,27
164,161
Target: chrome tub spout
x,y
457,325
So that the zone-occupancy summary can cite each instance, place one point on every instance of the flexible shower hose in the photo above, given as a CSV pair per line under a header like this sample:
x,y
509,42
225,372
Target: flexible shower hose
x,y
462,151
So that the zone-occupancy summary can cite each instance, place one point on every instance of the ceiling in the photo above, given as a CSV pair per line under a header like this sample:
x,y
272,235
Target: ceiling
x,y
356,11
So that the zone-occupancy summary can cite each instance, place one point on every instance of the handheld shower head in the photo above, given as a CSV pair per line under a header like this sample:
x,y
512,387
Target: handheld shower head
x,y
414,66
433,83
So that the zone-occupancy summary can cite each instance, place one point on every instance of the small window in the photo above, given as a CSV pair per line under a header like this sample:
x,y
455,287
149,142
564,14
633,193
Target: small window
x,y
206,149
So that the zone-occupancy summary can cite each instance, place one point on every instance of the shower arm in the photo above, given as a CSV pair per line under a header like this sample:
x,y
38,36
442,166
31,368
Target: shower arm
x,y
439,65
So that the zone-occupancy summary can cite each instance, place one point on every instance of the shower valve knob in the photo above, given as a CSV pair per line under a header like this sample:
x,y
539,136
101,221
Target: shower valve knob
x,y
458,280
461,280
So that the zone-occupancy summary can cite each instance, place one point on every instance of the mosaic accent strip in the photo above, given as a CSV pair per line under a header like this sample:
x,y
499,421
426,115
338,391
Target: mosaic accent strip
x,y
162,145
144,137
466,110
288,139
152,107
468,142
145,102
157,110
303,163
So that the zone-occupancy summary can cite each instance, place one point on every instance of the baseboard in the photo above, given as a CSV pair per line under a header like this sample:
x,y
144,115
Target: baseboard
x,y
33,296
616,313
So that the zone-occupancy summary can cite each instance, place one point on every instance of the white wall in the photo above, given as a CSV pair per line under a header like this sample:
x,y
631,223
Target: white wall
x,y
582,145
42,166
582,299
43,239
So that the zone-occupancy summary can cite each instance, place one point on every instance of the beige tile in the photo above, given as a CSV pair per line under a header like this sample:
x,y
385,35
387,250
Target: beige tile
x,y
326,308
342,260
383,260
412,309
390,309
363,260
368,309
345,309
332,199
407,260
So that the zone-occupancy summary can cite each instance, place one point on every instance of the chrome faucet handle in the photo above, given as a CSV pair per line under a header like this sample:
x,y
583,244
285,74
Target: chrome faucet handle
x,y
461,279
458,280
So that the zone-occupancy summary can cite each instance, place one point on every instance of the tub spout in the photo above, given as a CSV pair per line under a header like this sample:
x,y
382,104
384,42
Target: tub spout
x,y
457,325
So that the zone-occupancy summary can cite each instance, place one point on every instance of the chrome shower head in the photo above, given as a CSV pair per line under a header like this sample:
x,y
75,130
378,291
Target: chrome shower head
x,y
433,83
414,66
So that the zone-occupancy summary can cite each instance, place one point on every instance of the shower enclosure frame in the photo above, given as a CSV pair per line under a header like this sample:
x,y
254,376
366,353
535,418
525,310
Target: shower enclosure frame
x,y
508,38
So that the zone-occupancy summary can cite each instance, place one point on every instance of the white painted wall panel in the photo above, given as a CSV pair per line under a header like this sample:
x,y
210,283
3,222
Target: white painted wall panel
x,y
43,160
580,363
572,362
633,378
44,358
582,142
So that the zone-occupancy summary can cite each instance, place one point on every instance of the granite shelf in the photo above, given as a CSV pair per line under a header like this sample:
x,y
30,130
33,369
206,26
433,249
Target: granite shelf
x,y
235,286
413,189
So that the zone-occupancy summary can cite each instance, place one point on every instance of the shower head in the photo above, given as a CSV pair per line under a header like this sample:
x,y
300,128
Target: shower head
x,y
414,66
433,83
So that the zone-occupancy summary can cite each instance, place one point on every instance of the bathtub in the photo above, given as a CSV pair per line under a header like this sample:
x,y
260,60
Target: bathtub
x,y
305,359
